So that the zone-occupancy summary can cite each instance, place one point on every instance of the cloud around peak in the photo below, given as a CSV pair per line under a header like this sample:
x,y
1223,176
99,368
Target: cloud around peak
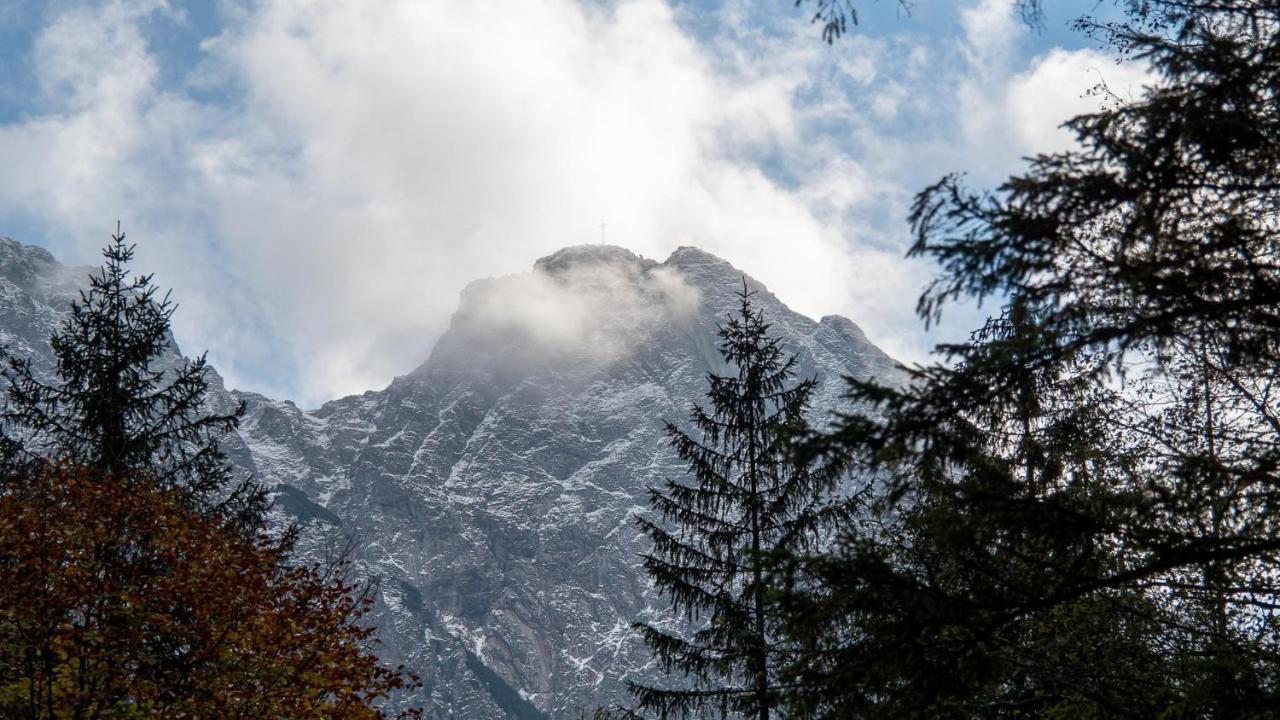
x,y
324,178
587,306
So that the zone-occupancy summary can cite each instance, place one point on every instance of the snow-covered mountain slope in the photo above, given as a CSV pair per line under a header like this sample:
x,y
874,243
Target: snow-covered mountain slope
x,y
492,490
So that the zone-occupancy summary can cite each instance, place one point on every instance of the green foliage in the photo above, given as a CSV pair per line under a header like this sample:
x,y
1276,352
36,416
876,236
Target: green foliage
x,y
1078,514
745,499
117,404
977,583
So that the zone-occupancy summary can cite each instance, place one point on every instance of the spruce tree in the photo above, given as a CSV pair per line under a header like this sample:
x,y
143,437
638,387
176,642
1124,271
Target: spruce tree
x,y
118,404
715,533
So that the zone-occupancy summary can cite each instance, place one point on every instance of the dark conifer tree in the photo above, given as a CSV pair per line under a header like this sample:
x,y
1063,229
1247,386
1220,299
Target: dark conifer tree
x,y
117,404
714,534
1143,264
933,602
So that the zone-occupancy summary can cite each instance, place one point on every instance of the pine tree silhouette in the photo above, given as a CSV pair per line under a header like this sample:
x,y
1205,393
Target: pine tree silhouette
x,y
115,406
713,537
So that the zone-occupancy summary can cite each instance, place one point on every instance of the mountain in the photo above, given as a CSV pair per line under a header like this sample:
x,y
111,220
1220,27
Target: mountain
x,y
491,492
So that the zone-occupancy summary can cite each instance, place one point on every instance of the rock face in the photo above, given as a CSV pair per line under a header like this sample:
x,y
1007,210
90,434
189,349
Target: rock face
x,y
491,492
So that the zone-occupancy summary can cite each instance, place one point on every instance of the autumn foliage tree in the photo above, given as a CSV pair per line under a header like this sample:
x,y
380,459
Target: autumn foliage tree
x,y
116,600
138,576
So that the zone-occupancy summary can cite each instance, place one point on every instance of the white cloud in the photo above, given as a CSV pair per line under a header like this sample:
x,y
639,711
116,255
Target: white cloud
x,y
991,32
93,72
385,153
1059,86
593,310
327,181
431,145
1009,113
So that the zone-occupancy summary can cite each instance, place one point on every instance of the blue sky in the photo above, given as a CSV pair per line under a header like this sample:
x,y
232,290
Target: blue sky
x,y
318,180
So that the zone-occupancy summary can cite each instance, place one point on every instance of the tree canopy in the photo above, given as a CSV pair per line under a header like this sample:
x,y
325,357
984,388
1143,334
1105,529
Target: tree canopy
x,y
1079,508
116,600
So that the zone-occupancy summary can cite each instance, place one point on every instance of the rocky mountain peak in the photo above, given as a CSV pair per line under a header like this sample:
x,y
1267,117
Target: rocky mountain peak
x,y
493,491
577,257
845,326
37,272
689,256
15,255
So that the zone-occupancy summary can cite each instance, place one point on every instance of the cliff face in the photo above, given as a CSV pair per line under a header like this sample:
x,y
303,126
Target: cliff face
x,y
491,491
